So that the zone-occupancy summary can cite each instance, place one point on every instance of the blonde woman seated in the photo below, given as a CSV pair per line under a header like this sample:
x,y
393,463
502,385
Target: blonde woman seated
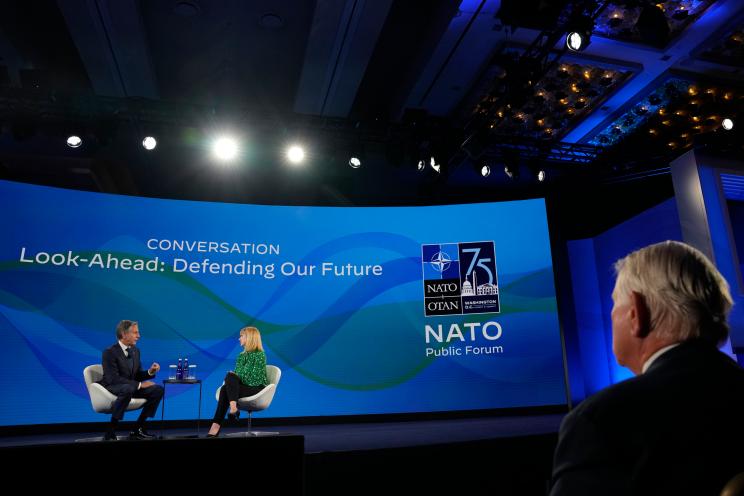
x,y
249,378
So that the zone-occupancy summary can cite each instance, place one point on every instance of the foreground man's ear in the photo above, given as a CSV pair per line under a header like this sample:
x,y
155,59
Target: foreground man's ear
x,y
640,315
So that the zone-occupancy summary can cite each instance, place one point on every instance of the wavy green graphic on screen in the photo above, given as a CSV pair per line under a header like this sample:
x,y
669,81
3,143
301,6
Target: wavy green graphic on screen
x,y
348,342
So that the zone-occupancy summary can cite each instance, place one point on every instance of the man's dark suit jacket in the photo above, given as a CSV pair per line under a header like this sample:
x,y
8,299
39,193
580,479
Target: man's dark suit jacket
x,y
118,369
676,429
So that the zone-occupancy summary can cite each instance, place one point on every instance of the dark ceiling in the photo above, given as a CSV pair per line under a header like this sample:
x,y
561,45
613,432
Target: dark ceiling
x,y
473,83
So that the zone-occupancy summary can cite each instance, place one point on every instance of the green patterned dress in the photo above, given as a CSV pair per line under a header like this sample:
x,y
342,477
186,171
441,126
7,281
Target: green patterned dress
x,y
250,366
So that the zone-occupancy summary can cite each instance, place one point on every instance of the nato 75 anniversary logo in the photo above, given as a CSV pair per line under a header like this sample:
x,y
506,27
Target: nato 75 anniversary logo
x,y
460,278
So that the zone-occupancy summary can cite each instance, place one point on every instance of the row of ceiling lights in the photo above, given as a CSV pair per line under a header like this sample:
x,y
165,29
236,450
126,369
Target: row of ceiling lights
x,y
226,149
511,171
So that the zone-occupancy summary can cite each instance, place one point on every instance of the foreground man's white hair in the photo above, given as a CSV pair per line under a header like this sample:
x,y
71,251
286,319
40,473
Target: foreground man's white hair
x,y
686,295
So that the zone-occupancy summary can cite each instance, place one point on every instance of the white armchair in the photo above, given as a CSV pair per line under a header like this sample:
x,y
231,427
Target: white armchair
x,y
101,398
257,402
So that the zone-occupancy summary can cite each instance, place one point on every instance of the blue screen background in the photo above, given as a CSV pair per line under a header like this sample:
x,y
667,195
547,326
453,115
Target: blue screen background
x,y
346,345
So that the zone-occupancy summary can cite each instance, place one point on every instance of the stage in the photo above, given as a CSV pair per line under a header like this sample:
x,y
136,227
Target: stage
x,y
334,437
509,455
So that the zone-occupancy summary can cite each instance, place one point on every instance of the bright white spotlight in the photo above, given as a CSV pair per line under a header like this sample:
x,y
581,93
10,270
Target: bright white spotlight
x,y
295,154
434,165
541,175
421,165
149,143
225,149
485,171
355,162
577,41
74,141
727,124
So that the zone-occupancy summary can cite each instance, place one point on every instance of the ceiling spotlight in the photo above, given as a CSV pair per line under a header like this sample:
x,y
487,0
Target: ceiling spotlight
x,y
421,165
355,162
541,175
485,171
576,41
511,172
149,143
434,165
225,149
74,141
727,124
579,32
295,154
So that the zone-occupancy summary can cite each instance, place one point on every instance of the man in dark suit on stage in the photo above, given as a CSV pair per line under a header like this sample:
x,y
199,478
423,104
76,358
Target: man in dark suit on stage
x,y
124,377
678,426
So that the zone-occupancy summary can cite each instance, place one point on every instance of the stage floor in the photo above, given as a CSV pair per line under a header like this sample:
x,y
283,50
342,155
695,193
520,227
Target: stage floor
x,y
325,438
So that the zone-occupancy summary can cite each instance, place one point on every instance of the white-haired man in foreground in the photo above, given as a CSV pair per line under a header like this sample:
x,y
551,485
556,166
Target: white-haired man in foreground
x,y
678,426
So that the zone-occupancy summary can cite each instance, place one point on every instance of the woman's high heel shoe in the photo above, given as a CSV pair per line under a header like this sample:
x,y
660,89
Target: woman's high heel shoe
x,y
233,417
215,435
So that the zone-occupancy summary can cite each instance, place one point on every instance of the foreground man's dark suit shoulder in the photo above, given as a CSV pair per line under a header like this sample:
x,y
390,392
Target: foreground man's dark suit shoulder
x,y
676,429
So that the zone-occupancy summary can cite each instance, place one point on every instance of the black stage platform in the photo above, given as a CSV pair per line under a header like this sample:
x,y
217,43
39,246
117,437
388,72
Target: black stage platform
x,y
484,455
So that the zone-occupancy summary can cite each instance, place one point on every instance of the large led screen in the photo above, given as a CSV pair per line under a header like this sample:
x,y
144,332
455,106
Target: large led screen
x,y
365,310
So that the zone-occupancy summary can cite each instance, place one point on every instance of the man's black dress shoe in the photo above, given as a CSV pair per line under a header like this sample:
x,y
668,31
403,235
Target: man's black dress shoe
x,y
109,436
141,434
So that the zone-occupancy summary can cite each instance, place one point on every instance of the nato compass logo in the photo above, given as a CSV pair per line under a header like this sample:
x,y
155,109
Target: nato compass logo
x,y
460,278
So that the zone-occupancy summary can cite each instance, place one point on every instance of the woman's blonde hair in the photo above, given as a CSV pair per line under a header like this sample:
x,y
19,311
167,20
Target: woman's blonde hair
x,y
252,339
